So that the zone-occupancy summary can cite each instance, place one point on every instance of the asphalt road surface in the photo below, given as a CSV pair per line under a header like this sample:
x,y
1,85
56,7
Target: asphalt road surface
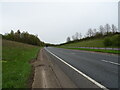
x,y
101,67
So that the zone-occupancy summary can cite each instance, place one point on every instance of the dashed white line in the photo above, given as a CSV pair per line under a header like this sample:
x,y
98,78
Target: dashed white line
x,y
110,62
72,53
93,81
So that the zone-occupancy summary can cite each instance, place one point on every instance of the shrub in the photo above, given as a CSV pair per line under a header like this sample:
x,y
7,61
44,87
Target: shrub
x,y
116,40
107,42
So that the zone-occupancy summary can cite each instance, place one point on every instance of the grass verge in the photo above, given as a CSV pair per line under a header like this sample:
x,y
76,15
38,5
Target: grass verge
x,y
112,42
15,63
97,50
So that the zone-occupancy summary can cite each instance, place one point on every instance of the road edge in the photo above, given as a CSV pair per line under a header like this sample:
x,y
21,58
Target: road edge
x,y
78,71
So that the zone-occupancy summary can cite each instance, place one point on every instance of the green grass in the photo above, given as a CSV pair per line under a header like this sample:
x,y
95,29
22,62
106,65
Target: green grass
x,y
96,42
87,43
97,50
15,63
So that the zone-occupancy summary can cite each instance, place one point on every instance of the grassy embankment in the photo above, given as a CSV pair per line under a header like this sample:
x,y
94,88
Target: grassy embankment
x,y
95,42
15,63
97,50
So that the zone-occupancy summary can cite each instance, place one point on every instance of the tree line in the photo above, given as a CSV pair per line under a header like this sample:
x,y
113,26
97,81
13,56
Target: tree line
x,y
23,37
101,31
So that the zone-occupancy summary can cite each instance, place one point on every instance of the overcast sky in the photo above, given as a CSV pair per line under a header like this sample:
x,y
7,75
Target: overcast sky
x,y
54,21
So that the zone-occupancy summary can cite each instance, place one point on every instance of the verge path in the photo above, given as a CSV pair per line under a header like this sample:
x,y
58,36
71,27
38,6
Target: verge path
x,y
49,75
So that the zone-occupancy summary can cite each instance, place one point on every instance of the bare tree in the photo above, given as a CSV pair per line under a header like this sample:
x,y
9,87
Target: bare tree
x,y
73,37
76,36
102,30
80,36
107,28
90,32
114,28
94,32
68,39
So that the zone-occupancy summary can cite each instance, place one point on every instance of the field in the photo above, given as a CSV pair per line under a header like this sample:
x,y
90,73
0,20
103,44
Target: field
x,y
87,43
16,68
96,42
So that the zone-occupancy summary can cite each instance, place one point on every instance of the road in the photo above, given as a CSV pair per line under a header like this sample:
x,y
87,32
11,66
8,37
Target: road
x,y
103,68
49,75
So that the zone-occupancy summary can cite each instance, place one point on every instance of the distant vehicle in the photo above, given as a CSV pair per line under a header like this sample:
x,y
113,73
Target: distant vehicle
x,y
46,45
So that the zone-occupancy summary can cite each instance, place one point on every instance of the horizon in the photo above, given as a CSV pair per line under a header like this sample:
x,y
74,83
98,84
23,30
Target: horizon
x,y
54,22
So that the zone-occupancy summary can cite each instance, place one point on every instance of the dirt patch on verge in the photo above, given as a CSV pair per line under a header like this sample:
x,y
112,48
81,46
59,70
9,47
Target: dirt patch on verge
x,y
48,75
31,76
44,77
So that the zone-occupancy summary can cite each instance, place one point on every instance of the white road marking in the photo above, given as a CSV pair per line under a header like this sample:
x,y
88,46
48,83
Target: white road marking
x,y
95,82
72,53
110,62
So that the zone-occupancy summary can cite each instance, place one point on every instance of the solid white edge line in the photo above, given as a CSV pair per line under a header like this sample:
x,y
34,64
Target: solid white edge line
x,y
95,82
110,62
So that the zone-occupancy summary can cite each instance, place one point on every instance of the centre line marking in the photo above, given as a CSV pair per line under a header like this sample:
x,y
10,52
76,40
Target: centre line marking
x,y
92,80
110,62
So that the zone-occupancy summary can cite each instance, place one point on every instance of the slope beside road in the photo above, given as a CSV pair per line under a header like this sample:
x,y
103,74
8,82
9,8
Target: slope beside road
x,y
102,68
